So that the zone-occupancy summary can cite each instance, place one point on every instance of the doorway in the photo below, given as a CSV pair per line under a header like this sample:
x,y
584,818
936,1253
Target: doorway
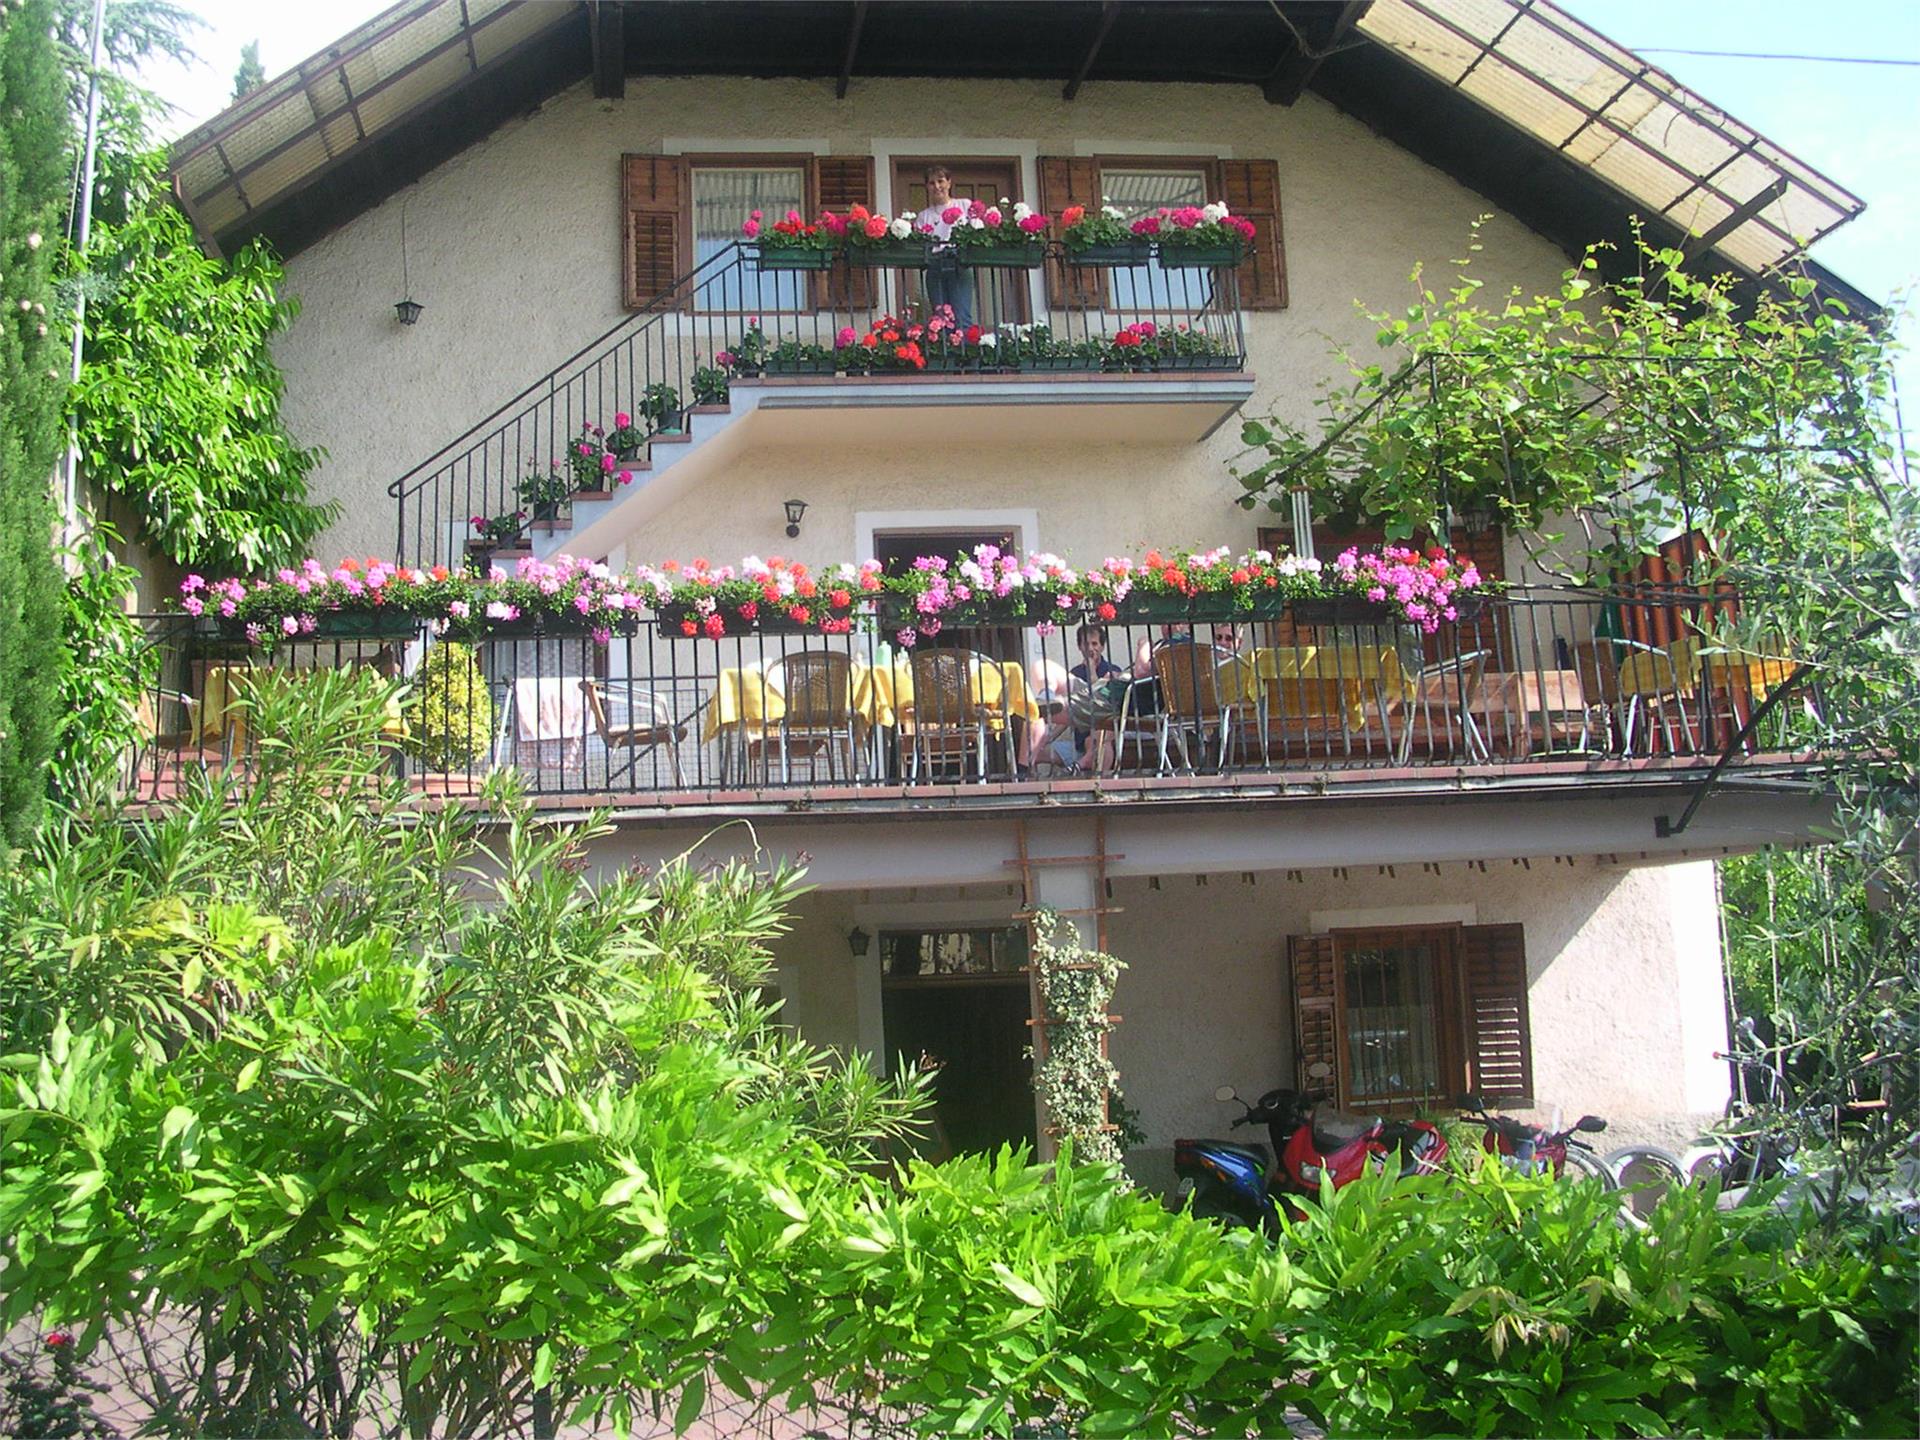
x,y
1000,296
897,552
960,997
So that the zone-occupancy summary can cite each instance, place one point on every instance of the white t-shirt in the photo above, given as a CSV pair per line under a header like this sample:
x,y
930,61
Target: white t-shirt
x,y
930,217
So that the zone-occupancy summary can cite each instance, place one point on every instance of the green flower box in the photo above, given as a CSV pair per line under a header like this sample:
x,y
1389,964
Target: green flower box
x,y
1111,257
1200,257
1342,610
903,254
783,258
1003,257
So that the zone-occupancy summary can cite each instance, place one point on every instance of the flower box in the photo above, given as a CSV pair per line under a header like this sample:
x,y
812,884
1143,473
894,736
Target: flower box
x,y
783,258
1003,257
906,254
1200,257
1121,256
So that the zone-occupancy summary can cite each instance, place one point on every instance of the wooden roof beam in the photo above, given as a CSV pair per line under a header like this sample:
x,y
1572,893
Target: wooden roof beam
x,y
853,48
1297,66
607,27
1107,13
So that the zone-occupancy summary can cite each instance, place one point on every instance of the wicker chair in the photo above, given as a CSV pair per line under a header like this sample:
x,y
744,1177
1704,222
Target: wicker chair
x,y
816,690
945,721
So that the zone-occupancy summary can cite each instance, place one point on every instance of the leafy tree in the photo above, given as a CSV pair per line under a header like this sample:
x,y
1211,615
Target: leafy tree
x,y
33,170
179,399
252,74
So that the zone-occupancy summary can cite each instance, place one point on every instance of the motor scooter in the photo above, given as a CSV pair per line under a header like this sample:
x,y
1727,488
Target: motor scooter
x,y
1240,1184
1538,1149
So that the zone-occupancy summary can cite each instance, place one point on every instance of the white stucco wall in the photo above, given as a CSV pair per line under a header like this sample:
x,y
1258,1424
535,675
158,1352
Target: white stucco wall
x,y
514,248
1623,980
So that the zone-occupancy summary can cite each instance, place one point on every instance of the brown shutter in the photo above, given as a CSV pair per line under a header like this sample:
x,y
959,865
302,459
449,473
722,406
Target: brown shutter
x,y
1071,180
1497,1037
654,210
1251,188
1316,1028
1488,551
841,181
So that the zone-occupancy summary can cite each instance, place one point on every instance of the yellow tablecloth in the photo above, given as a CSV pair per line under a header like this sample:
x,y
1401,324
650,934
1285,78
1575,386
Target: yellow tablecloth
x,y
220,687
1677,670
1305,679
751,701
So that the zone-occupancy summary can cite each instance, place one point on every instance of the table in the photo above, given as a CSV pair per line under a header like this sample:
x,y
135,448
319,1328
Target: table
x,y
1549,703
748,705
1316,680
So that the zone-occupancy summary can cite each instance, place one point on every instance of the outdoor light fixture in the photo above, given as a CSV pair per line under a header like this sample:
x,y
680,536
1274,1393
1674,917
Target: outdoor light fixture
x,y
795,509
857,941
406,311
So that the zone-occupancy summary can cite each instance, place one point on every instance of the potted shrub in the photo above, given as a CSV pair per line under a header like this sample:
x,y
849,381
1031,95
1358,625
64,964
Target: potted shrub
x,y
492,534
710,386
450,712
798,357
748,354
626,440
544,493
1101,238
1192,237
660,407
990,237
790,243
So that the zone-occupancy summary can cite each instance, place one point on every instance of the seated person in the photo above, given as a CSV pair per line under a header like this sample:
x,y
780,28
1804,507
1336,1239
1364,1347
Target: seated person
x,y
1084,751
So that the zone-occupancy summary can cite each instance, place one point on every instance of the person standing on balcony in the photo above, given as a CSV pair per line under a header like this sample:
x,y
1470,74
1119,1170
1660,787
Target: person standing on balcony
x,y
947,283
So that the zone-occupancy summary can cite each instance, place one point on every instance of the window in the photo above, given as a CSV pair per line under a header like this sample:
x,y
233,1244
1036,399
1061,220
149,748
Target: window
x,y
724,195
1405,1016
942,954
1137,191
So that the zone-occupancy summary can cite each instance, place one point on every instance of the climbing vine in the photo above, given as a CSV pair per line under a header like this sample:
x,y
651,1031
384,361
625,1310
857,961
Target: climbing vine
x,y
1073,1075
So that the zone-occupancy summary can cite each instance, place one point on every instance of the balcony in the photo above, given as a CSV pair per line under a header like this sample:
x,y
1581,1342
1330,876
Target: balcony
x,y
738,355
1541,691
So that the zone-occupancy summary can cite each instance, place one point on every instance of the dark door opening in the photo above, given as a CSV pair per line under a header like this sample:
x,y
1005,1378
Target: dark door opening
x,y
958,997
896,554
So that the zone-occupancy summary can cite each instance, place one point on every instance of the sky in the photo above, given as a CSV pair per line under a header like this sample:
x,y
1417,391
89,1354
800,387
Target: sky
x,y
1857,124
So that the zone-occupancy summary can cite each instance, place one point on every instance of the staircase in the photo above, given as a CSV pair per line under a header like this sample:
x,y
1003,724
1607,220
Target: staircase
x,y
705,314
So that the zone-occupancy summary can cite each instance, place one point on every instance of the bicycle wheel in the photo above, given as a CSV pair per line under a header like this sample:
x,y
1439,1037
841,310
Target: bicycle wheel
x,y
1644,1174
1582,1165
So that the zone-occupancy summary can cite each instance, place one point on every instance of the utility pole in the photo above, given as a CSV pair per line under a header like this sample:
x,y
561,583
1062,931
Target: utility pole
x,y
70,496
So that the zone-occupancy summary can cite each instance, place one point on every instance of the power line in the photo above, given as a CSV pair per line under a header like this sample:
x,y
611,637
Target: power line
x,y
1764,55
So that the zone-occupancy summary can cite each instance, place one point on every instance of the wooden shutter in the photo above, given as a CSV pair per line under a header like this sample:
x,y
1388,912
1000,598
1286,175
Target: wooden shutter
x,y
654,210
1071,180
1316,1023
1252,188
1497,1038
840,181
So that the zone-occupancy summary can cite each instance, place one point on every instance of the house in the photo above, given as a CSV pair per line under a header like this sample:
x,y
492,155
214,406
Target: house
x,y
1423,864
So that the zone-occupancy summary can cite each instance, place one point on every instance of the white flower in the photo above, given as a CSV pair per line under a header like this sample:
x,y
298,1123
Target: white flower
x,y
1022,210
33,239
1005,201
1213,213
900,229
989,338
976,223
1112,212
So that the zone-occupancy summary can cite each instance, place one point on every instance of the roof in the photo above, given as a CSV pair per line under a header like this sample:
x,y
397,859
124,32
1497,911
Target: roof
x,y
1549,119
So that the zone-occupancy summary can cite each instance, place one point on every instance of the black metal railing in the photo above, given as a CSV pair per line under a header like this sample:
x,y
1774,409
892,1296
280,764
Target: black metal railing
x,y
665,362
1540,675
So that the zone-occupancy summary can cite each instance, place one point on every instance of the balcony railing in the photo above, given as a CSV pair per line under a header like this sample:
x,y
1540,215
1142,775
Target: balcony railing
x,y
662,362
1532,677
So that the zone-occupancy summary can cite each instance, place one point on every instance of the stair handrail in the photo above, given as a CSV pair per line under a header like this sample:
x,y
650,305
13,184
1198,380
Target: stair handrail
x,y
667,302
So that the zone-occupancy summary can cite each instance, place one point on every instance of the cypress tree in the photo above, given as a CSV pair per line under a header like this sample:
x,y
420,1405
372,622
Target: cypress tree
x,y
35,151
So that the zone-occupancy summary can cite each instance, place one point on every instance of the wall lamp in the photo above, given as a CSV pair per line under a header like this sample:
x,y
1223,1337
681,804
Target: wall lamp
x,y
858,941
407,311
795,509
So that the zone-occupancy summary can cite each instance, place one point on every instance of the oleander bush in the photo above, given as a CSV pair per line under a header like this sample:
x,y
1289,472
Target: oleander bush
x,y
357,1118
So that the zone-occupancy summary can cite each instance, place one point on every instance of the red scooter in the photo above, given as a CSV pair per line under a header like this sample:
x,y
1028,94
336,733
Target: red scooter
x,y
1232,1182
1535,1149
